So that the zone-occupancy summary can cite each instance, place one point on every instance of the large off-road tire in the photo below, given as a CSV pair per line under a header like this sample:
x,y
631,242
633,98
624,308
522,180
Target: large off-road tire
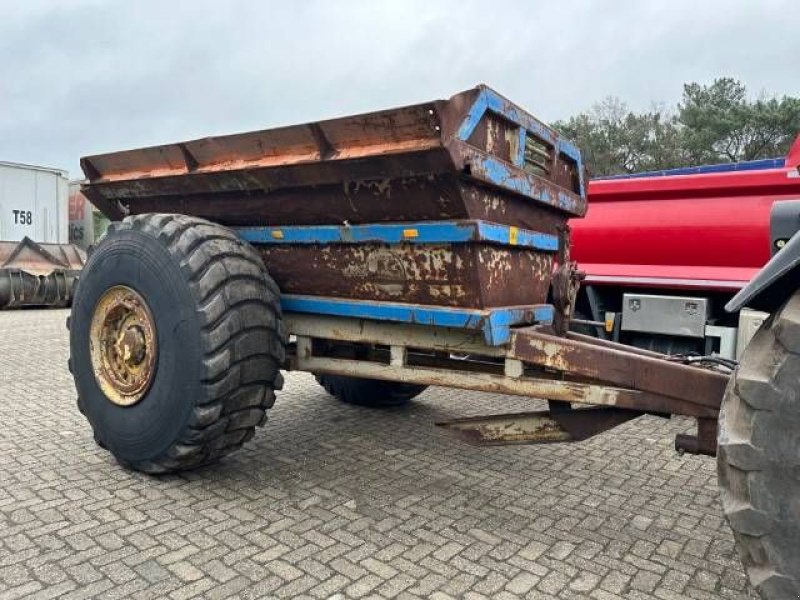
x,y
374,393
176,341
759,455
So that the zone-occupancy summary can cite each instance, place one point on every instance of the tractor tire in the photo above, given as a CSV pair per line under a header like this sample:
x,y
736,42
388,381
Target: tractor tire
x,y
176,341
373,393
758,455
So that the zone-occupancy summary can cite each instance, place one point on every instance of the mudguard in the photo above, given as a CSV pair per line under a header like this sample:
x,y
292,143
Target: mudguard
x,y
774,283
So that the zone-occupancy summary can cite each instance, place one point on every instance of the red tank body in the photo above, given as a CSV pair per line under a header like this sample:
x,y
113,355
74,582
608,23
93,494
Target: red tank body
x,y
705,228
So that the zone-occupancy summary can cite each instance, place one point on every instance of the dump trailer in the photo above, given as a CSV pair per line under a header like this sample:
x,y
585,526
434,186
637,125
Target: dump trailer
x,y
38,266
386,252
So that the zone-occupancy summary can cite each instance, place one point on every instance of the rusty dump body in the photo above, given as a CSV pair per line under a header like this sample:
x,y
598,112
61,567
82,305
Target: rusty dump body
x,y
474,156
473,161
418,244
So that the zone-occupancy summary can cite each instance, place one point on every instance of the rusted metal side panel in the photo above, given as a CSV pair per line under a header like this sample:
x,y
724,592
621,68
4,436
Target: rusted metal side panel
x,y
476,139
371,170
429,198
394,131
360,201
509,276
483,202
467,275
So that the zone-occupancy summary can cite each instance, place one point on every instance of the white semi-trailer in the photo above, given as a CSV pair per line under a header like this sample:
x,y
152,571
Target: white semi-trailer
x,y
37,264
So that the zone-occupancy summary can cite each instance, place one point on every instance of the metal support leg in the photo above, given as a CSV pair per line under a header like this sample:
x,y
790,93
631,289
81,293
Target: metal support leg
x,y
705,442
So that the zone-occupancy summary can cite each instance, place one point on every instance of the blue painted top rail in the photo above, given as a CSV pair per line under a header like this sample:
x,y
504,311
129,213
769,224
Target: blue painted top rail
x,y
494,323
395,233
748,165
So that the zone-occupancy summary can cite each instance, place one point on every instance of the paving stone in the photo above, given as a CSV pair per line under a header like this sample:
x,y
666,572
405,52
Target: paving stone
x,y
522,583
335,501
585,582
645,581
363,586
186,571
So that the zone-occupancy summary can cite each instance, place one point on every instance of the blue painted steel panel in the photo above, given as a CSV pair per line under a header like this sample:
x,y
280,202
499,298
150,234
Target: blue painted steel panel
x,y
512,236
474,115
489,100
494,323
519,159
395,233
750,165
500,173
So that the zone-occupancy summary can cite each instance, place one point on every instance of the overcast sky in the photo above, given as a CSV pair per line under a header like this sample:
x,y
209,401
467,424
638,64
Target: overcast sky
x,y
81,77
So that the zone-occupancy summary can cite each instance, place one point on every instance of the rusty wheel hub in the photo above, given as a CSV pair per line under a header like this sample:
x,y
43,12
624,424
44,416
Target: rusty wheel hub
x,y
123,345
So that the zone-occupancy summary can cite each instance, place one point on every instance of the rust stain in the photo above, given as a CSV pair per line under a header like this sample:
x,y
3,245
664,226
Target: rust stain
x,y
539,427
475,275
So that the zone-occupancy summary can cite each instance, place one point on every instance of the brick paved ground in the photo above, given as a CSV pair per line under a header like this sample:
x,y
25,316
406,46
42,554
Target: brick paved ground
x,y
331,500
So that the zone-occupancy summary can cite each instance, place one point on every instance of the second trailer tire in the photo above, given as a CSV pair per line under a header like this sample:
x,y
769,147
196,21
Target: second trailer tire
x,y
374,393
759,455
176,341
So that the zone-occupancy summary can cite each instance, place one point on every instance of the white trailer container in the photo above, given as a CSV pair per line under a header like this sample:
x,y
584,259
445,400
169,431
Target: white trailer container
x,y
38,266
33,204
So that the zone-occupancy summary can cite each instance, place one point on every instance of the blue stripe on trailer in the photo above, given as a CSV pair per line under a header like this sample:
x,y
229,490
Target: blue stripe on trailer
x,y
395,233
500,173
749,165
494,323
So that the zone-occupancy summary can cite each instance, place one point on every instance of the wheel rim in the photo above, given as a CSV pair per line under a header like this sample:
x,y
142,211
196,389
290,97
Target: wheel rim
x,y
123,345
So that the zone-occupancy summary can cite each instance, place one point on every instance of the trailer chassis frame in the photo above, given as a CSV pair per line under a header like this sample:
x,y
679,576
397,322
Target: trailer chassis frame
x,y
611,382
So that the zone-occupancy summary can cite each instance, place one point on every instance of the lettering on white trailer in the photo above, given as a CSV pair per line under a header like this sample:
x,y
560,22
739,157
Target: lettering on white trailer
x,y
23,217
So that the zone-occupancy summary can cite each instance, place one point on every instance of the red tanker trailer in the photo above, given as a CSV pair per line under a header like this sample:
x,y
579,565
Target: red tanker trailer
x,y
663,252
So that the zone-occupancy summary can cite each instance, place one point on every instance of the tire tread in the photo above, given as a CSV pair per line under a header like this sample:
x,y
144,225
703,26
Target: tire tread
x,y
758,462
372,393
242,337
